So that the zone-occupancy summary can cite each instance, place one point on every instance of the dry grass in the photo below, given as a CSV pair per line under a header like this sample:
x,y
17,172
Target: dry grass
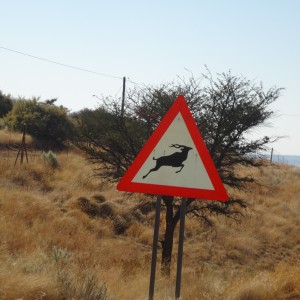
x,y
66,235
8,137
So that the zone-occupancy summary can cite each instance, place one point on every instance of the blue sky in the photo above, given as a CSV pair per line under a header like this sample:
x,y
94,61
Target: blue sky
x,y
152,42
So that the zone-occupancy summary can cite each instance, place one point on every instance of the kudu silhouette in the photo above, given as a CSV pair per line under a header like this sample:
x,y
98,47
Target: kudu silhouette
x,y
174,160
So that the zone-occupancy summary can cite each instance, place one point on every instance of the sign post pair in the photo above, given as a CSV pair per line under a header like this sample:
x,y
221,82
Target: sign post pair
x,y
174,162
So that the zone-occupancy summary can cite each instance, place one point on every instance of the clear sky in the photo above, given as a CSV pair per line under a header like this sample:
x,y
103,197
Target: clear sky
x,y
152,42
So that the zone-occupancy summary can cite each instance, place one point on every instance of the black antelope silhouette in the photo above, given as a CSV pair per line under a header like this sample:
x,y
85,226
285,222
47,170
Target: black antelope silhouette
x,y
174,160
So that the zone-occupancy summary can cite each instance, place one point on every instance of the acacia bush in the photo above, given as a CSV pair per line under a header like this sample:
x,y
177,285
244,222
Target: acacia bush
x,y
107,138
47,123
226,109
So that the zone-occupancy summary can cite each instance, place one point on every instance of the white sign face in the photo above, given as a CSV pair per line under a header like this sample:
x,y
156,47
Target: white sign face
x,y
175,161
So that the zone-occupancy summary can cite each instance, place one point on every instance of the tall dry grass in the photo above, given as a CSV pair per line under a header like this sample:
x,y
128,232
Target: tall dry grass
x,y
66,235
8,137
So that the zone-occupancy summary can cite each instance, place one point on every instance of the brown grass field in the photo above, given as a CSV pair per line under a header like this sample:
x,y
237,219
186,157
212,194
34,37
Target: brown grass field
x,y
66,235
8,137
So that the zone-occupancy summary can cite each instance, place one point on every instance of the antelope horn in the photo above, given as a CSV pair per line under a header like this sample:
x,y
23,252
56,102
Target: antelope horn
x,y
176,146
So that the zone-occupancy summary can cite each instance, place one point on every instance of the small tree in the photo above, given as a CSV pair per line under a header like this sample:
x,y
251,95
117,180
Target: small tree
x,y
226,109
46,123
107,138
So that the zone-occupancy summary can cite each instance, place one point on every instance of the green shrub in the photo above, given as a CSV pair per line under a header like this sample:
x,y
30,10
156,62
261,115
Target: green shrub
x,y
59,253
50,158
92,290
46,123
85,288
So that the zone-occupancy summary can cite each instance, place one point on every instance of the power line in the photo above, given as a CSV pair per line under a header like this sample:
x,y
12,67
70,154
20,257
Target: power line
x,y
69,66
61,64
136,84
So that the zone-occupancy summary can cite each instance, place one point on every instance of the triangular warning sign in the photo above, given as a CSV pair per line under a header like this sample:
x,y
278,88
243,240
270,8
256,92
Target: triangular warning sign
x,y
175,161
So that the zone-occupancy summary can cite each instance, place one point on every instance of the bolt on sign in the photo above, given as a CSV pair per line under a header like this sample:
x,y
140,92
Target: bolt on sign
x,y
175,161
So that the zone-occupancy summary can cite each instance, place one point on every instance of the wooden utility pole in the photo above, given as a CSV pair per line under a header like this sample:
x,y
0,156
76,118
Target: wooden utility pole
x,y
271,158
23,147
123,98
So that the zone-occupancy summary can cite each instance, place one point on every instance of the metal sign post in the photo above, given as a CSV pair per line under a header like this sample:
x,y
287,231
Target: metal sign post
x,y
180,248
154,247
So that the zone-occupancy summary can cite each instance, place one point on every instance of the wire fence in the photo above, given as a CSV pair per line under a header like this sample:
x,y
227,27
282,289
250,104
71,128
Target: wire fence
x,y
9,153
276,157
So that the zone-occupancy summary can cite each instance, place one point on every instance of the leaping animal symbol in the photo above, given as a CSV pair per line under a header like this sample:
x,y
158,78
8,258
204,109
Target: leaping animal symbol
x,y
174,160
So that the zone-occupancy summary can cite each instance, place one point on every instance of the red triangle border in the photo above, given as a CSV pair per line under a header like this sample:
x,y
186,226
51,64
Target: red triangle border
x,y
219,193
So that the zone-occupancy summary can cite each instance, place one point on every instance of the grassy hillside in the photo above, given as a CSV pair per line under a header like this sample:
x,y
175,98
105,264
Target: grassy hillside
x,y
66,235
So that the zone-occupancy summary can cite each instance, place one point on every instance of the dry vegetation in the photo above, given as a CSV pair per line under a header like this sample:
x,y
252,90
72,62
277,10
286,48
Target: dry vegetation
x,y
65,235
10,138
